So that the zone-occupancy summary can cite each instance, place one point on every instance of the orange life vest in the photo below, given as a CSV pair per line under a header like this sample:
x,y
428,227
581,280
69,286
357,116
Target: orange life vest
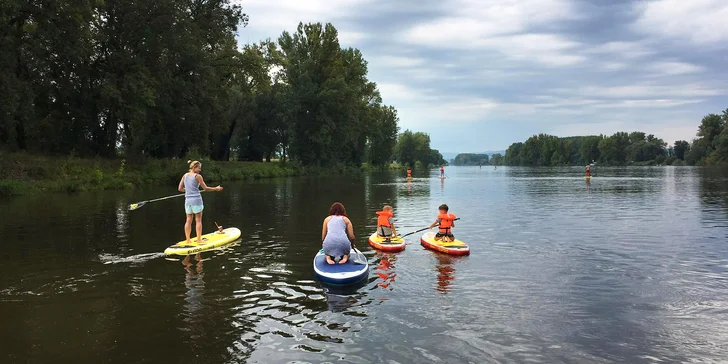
x,y
442,169
383,219
409,173
446,222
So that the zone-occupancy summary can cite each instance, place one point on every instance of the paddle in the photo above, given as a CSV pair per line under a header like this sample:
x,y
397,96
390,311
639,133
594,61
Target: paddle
x,y
423,229
138,205
359,257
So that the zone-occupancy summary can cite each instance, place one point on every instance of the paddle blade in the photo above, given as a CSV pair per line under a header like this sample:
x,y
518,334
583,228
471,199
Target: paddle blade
x,y
135,206
358,257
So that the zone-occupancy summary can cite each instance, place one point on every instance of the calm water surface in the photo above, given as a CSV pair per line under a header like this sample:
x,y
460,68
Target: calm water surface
x,y
632,267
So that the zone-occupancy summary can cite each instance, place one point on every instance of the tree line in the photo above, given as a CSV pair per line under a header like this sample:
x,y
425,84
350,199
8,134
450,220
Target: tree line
x,y
166,78
413,149
621,148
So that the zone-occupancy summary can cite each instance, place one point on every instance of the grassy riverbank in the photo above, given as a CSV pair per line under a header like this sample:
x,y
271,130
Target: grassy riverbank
x,y
25,174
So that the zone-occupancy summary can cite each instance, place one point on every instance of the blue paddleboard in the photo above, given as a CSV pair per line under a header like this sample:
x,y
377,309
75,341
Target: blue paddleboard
x,y
353,271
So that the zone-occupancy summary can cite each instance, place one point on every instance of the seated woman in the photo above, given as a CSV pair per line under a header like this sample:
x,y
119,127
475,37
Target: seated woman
x,y
337,235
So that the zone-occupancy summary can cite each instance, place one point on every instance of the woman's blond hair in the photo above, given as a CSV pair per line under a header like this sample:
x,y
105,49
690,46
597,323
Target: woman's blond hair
x,y
193,164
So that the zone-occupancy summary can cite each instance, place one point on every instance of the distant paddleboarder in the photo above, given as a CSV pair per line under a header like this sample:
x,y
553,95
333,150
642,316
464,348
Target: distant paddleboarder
x,y
588,171
442,172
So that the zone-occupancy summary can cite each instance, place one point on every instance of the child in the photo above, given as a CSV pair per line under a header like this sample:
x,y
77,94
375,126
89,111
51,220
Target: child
x,y
385,226
409,173
442,172
588,170
446,222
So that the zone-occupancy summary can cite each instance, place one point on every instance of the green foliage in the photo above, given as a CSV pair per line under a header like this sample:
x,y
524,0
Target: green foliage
x,y
9,188
73,175
709,148
166,79
470,159
681,148
620,148
497,159
711,145
413,149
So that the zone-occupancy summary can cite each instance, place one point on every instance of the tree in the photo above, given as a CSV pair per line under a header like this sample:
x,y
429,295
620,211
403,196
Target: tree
x,y
470,159
681,148
497,159
415,147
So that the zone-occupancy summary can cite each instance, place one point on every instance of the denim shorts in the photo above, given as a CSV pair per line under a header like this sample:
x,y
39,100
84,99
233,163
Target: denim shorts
x,y
193,209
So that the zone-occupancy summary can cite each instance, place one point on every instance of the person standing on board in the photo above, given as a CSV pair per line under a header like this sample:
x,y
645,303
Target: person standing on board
x,y
190,185
409,173
337,235
588,171
442,172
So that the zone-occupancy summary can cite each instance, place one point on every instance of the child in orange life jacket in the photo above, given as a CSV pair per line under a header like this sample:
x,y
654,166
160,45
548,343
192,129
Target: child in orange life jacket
x,y
385,226
409,173
446,222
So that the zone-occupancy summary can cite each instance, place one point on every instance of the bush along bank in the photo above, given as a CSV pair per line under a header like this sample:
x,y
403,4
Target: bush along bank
x,y
25,174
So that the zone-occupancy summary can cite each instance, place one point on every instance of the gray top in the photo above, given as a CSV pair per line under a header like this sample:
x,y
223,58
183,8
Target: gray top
x,y
192,191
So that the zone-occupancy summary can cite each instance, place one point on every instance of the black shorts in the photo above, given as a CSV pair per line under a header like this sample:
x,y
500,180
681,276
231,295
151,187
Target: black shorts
x,y
440,235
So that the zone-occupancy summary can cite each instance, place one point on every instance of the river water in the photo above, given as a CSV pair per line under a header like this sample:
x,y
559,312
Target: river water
x,y
631,267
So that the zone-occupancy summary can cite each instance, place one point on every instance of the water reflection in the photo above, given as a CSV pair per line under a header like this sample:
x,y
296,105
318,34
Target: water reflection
x,y
445,272
385,270
342,298
632,272
195,285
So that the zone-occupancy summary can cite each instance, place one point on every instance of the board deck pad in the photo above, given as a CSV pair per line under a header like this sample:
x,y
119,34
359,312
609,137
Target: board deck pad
x,y
456,247
210,241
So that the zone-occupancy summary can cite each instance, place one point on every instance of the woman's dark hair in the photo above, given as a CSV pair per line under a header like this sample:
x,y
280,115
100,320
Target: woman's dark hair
x,y
443,207
337,209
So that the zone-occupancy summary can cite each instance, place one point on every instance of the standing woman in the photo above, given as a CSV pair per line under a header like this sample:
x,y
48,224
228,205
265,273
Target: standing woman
x,y
190,185
337,235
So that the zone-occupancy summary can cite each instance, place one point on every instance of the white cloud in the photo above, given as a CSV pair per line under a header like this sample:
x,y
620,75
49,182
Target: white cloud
x,y
621,49
527,66
699,21
396,61
500,26
646,91
674,68
273,17
614,66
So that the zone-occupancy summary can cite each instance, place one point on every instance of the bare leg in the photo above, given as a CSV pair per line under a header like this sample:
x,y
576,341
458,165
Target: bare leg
x,y
188,228
198,226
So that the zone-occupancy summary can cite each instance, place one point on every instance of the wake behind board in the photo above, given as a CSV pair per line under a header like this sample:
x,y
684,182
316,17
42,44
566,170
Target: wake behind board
x,y
394,245
340,274
456,247
209,241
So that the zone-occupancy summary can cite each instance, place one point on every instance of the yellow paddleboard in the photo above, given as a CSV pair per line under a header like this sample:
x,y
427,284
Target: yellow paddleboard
x,y
456,247
209,241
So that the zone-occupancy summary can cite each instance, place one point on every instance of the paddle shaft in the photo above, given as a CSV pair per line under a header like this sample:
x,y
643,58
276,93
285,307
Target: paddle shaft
x,y
137,205
423,229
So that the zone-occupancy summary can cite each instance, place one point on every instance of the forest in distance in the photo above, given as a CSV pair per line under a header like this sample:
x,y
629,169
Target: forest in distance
x,y
167,79
710,147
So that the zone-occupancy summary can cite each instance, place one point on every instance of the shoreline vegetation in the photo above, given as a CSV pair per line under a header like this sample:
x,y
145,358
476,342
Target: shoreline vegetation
x,y
710,147
28,174
89,84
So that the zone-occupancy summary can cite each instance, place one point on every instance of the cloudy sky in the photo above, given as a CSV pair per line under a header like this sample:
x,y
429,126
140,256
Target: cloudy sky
x,y
478,75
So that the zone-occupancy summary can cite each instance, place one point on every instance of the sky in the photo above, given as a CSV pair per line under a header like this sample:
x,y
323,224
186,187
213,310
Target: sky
x,y
478,75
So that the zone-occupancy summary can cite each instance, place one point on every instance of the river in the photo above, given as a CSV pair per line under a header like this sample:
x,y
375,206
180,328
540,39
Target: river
x,y
631,267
